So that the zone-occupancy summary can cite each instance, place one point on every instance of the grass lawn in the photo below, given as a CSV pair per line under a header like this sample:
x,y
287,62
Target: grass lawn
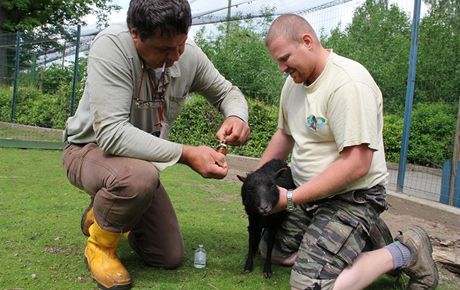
x,y
42,244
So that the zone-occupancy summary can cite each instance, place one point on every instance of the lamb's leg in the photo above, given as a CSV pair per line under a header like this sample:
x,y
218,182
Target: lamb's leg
x,y
271,232
254,231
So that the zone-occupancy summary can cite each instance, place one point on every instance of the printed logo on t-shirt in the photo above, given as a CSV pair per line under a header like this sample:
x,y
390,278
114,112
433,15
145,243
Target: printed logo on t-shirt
x,y
315,123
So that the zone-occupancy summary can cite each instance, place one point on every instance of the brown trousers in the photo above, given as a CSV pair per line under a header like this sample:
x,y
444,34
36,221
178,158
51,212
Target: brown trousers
x,y
128,196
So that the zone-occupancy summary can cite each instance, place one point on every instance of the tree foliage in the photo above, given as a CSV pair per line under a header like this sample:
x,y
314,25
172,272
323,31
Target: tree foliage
x,y
438,66
51,16
239,53
46,25
379,38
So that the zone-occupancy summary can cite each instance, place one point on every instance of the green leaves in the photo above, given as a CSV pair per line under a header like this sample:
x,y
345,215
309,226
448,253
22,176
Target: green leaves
x,y
240,55
438,70
431,134
199,121
46,15
378,38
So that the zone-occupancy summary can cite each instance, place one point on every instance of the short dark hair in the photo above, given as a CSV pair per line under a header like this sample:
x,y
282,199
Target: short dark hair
x,y
159,17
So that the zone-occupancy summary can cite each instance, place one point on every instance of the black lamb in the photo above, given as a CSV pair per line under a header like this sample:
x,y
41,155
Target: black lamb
x,y
260,194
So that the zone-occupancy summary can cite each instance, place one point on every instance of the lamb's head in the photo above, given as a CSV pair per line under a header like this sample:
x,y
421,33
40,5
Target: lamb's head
x,y
259,193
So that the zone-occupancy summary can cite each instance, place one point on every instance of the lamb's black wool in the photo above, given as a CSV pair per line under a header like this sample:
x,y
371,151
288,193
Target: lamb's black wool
x,y
260,194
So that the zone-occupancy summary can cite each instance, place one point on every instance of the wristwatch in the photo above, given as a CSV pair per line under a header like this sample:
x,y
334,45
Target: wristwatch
x,y
290,206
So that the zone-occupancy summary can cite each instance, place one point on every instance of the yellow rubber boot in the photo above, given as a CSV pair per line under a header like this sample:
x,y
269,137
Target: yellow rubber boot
x,y
87,219
102,261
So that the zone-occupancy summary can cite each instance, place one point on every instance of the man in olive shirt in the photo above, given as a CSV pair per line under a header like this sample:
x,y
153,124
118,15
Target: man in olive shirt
x,y
139,75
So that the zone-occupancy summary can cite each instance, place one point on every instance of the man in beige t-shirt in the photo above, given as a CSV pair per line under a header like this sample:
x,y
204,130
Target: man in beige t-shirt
x,y
330,125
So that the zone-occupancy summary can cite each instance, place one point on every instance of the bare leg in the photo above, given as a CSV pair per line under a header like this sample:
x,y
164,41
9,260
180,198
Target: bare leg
x,y
288,261
367,267
277,257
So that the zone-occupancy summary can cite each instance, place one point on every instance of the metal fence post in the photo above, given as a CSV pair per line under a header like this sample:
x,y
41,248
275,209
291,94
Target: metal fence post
x,y
409,97
75,71
455,162
16,77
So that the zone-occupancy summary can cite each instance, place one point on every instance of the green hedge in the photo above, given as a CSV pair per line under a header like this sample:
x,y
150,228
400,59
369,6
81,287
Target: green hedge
x,y
35,108
392,136
432,134
199,121
430,142
5,103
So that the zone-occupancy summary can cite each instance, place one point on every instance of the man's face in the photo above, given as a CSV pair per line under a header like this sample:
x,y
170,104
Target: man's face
x,y
158,49
293,58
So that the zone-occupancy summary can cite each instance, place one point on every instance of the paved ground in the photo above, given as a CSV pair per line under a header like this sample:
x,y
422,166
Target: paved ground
x,y
422,182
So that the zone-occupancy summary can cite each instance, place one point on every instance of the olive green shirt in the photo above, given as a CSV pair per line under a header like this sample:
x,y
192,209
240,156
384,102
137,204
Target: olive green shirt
x,y
109,115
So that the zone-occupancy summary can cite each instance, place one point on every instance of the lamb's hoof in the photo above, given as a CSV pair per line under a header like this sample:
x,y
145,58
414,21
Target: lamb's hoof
x,y
267,275
246,271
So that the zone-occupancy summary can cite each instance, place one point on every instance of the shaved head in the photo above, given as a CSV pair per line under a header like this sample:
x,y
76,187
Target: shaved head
x,y
290,26
293,44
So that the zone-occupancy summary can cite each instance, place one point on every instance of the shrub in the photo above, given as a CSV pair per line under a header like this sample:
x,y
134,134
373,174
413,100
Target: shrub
x,y
37,109
197,124
430,143
392,136
52,78
5,103
199,121
431,136
263,120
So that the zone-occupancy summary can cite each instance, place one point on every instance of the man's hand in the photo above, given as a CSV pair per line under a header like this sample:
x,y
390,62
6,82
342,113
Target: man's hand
x,y
205,160
282,202
234,131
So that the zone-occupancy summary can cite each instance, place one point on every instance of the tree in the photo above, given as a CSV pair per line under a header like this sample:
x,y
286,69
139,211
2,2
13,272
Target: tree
x,y
379,38
438,68
46,24
51,16
239,53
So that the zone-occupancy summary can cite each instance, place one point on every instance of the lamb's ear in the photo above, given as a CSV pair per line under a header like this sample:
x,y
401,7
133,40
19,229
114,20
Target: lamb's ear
x,y
241,178
280,172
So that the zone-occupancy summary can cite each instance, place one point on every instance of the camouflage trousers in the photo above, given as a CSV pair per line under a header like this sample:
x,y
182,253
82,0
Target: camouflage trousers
x,y
328,235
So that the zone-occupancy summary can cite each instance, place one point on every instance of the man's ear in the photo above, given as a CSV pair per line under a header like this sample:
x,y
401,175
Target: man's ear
x,y
134,34
241,178
307,40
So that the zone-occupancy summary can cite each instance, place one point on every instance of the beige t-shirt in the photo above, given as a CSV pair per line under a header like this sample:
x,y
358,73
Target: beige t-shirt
x,y
342,108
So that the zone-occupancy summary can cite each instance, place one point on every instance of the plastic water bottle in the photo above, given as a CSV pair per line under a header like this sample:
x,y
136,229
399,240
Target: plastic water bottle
x,y
200,257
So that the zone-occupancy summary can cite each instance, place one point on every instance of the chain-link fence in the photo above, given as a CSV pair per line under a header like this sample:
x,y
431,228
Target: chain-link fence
x,y
7,52
41,80
46,71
